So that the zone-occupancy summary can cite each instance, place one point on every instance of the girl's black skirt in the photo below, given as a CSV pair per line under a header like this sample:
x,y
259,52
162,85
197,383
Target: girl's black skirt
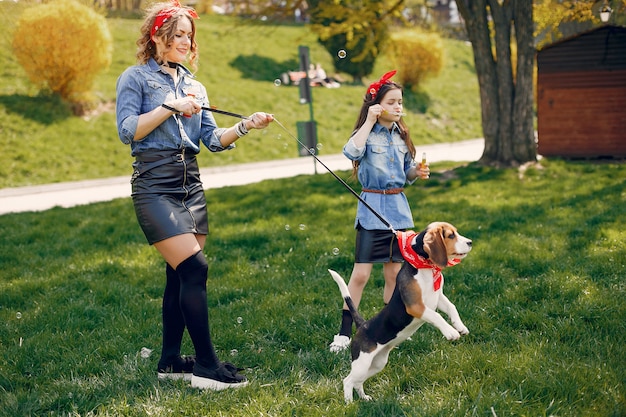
x,y
376,246
168,196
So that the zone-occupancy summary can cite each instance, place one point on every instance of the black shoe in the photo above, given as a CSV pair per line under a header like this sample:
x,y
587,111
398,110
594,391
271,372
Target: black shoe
x,y
182,368
223,377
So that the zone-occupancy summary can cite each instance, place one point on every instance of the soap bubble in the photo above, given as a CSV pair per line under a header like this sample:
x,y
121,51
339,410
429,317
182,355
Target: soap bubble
x,y
302,226
342,54
18,315
335,251
287,227
277,82
239,320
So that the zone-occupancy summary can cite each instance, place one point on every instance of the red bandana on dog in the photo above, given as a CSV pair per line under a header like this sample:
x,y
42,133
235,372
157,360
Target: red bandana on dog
x,y
404,240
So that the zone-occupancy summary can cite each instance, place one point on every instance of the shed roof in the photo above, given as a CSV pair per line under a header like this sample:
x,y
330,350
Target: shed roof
x,y
603,47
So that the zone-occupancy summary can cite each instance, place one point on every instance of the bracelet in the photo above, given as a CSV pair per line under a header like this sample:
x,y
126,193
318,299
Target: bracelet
x,y
170,108
240,129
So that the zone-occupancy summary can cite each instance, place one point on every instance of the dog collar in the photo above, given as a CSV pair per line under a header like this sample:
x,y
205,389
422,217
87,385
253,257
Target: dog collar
x,y
405,241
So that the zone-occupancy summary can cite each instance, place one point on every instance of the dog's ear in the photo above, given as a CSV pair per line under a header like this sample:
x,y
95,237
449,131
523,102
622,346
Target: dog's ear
x,y
418,247
435,246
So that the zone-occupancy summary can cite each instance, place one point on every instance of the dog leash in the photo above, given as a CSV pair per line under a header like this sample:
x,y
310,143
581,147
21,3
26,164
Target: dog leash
x,y
312,152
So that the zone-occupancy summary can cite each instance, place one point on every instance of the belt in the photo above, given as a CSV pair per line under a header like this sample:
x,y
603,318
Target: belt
x,y
164,156
387,191
151,161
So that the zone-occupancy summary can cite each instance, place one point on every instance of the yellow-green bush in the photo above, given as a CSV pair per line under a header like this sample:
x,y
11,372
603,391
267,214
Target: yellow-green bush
x,y
62,45
416,56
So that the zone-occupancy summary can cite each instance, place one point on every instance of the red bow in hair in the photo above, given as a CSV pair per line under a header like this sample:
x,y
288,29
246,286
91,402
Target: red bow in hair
x,y
374,87
164,15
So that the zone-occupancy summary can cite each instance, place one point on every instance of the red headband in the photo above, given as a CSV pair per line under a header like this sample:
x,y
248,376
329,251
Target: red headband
x,y
385,79
165,14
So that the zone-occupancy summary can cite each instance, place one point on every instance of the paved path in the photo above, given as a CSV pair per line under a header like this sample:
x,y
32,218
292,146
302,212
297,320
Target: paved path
x,y
69,194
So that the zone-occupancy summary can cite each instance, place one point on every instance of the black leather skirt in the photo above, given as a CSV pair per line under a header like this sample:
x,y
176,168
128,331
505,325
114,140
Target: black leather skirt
x,y
168,196
376,246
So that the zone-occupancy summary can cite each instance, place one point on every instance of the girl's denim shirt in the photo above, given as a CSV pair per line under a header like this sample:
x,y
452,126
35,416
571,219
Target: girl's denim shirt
x,y
142,88
384,163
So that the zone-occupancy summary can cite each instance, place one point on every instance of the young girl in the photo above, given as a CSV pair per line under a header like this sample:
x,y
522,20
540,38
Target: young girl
x,y
159,113
383,161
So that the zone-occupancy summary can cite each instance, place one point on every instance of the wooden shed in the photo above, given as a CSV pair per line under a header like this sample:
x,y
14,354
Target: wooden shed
x,y
581,95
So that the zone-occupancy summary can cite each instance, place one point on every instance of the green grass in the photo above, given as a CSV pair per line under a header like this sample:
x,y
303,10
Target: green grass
x,y
542,294
43,143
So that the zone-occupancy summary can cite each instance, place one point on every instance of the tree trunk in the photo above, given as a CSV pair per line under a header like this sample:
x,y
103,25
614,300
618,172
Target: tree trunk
x,y
506,96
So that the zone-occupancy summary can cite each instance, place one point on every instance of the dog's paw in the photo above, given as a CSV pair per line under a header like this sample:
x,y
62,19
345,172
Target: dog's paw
x,y
451,333
460,327
363,395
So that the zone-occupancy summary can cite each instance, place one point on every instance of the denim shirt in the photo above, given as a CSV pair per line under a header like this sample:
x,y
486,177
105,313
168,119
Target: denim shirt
x,y
142,88
384,163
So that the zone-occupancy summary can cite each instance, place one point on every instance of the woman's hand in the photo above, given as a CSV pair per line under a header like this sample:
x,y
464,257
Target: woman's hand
x,y
187,105
258,120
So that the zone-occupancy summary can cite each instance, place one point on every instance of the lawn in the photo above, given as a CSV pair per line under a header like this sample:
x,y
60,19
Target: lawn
x,y
80,291
542,294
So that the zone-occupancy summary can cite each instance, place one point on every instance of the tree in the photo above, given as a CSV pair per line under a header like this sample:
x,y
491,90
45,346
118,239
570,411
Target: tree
x,y
360,28
506,93
505,73
555,19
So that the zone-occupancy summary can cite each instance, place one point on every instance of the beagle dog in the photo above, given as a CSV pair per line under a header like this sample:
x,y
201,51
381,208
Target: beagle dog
x,y
417,296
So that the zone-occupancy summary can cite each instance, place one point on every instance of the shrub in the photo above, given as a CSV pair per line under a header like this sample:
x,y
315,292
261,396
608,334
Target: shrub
x,y
416,56
62,46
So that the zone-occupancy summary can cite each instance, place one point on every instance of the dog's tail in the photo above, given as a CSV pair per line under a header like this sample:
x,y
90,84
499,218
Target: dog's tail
x,y
345,293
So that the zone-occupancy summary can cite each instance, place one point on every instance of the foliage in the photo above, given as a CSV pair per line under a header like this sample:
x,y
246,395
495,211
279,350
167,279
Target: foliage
x,y
202,6
552,17
416,55
40,128
63,45
542,293
359,28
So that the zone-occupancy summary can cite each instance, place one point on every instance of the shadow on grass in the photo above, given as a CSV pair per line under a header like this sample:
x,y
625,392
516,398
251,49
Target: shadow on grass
x,y
260,68
44,108
416,101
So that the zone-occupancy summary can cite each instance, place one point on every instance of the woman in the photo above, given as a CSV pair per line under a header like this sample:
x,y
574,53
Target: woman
x,y
383,160
159,113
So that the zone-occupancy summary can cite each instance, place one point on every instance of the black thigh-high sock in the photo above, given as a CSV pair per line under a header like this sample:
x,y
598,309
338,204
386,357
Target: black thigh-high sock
x,y
173,320
193,303
346,323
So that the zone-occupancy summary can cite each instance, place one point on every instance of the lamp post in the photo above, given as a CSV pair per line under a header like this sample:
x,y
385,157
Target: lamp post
x,y
605,12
